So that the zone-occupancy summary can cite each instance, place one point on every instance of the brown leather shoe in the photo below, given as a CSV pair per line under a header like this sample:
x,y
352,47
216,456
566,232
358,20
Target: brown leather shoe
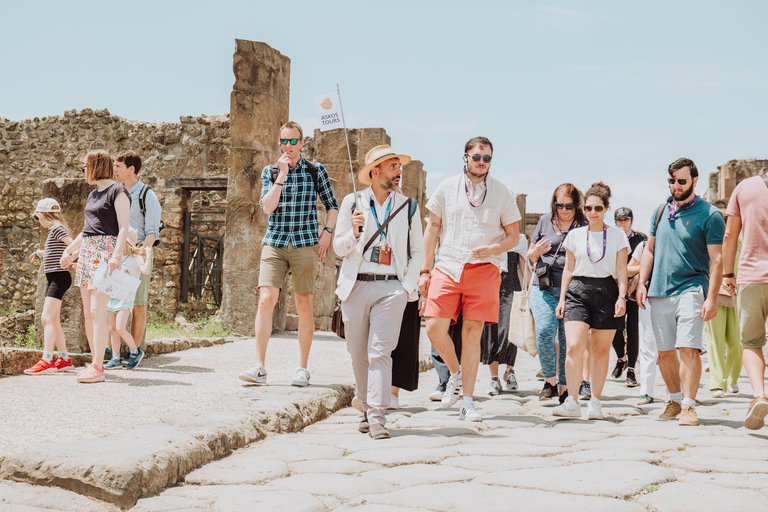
x,y
363,427
688,417
379,431
672,410
758,409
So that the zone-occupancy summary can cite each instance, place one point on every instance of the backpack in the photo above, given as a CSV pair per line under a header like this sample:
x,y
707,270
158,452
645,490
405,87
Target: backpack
x,y
311,167
143,208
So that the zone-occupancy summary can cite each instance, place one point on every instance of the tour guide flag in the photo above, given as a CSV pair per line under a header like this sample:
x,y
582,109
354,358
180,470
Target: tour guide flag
x,y
329,111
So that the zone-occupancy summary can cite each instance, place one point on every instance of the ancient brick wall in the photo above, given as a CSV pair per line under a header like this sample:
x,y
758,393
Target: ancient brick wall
x,y
722,182
52,147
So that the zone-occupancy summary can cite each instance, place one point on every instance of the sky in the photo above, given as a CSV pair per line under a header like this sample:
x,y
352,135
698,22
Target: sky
x,y
567,91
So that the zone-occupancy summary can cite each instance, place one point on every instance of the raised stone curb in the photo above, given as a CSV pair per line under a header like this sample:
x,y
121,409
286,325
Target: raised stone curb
x,y
168,345
13,361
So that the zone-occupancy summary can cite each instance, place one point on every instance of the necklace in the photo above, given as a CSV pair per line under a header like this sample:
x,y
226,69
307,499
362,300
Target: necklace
x,y
605,244
557,225
466,191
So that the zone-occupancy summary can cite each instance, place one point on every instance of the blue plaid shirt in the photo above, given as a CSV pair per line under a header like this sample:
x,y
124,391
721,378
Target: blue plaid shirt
x,y
294,220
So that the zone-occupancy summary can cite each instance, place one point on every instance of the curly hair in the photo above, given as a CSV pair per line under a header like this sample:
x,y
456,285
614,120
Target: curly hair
x,y
600,190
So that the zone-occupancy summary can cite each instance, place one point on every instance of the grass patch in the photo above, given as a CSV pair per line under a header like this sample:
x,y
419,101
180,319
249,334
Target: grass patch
x,y
27,339
204,328
648,489
347,453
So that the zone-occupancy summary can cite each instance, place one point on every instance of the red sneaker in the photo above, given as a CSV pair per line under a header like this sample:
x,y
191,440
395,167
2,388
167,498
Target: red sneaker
x,y
63,366
41,368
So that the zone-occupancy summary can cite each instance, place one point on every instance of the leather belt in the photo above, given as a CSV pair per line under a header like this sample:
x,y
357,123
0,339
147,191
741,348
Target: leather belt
x,y
375,277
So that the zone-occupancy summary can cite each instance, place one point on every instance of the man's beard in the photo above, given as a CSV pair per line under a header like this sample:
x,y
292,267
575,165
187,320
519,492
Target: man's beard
x,y
388,184
685,194
476,174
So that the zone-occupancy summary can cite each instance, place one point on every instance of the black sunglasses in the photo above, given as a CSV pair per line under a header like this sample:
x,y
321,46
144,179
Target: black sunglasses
x,y
293,142
598,209
565,206
681,181
486,158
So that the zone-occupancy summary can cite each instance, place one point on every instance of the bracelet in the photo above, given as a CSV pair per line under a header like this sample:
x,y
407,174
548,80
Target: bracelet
x,y
281,184
425,272
729,275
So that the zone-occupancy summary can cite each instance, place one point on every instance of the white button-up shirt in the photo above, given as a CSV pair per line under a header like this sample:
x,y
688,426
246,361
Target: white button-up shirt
x,y
466,227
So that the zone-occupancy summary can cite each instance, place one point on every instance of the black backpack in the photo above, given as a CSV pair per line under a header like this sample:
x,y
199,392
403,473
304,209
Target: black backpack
x,y
311,167
143,207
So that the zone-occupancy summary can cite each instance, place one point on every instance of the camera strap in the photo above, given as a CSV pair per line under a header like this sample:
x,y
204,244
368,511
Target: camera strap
x,y
384,225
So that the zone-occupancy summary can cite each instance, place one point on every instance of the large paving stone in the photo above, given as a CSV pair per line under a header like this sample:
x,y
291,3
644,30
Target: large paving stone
x,y
375,508
706,465
690,497
754,453
742,441
230,498
493,449
644,443
419,474
492,464
288,449
400,439
238,469
120,468
619,479
342,466
754,481
462,497
331,484
596,455
546,436
20,496
397,456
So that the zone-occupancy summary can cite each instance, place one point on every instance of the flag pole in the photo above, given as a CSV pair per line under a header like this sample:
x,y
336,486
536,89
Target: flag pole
x,y
349,153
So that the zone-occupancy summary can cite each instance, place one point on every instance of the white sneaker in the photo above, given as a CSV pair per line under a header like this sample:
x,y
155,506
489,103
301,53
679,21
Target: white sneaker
x,y
436,395
256,374
594,409
469,412
494,388
301,377
452,391
357,404
394,404
733,388
718,393
568,409
510,379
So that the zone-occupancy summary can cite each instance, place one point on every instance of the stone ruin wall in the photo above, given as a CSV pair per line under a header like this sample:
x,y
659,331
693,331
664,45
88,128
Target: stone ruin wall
x,y
53,147
724,180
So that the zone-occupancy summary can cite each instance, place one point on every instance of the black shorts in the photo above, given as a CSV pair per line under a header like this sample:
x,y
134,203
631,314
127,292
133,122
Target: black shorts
x,y
592,300
58,284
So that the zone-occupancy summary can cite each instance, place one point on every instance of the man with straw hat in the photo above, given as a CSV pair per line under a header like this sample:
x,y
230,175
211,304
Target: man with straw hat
x,y
379,275
480,225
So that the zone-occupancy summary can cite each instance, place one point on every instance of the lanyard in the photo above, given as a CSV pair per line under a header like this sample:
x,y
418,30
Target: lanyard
x,y
674,207
376,218
466,191
605,244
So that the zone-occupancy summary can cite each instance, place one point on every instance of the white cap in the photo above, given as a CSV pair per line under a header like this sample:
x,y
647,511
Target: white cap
x,y
48,205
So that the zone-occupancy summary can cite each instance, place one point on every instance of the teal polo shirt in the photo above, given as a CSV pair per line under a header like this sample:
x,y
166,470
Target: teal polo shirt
x,y
681,260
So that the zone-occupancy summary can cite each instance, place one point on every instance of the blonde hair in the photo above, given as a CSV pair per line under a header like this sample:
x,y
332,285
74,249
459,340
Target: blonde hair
x,y
52,218
131,247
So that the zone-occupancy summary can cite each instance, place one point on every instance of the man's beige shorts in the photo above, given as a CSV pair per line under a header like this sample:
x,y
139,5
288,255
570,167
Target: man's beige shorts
x,y
277,261
753,311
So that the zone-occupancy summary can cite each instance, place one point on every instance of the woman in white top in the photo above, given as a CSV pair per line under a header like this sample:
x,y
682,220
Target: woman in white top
x,y
591,298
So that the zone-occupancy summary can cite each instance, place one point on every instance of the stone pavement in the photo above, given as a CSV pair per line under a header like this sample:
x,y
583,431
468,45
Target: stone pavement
x,y
520,457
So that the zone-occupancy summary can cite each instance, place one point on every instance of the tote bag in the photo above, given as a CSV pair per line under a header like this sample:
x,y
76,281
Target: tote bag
x,y
522,331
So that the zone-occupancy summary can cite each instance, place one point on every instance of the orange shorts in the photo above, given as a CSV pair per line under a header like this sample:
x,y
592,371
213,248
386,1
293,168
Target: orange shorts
x,y
476,295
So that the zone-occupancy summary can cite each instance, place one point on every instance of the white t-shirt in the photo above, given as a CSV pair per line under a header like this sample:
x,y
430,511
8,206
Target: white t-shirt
x,y
638,254
576,242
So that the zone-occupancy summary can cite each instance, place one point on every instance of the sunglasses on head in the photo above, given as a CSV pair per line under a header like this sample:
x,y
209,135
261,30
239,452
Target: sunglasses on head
x,y
565,206
485,158
681,181
285,142
598,208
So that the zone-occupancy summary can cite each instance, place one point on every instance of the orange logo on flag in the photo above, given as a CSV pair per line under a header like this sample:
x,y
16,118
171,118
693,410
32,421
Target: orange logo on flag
x,y
326,104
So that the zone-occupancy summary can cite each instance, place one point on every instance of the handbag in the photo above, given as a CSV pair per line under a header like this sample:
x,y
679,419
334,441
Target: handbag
x,y
522,329
337,323
544,272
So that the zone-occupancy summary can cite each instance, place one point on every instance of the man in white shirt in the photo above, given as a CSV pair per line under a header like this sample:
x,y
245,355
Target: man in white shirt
x,y
378,276
480,225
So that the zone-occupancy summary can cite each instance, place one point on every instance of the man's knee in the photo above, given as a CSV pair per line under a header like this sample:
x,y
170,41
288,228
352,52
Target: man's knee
x,y
689,354
304,303
268,296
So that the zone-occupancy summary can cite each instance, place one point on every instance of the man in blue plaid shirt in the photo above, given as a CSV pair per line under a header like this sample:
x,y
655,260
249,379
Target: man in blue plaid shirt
x,y
293,242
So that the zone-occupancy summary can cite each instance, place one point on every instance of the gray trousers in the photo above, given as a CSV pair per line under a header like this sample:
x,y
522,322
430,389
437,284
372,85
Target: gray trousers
x,y
372,316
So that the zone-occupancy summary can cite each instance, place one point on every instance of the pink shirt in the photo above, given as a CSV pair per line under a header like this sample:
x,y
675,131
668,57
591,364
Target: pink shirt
x,y
750,202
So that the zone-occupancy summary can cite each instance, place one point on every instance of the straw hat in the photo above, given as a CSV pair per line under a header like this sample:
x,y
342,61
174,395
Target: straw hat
x,y
376,156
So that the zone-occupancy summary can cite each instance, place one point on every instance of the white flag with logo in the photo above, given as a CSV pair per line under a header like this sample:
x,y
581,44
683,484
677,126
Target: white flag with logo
x,y
329,111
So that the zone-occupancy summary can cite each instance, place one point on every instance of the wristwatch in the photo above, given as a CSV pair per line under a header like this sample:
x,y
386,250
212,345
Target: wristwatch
x,y
626,299
729,275
328,229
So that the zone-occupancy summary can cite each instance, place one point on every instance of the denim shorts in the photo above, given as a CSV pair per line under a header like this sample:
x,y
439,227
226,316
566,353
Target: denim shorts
x,y
677,321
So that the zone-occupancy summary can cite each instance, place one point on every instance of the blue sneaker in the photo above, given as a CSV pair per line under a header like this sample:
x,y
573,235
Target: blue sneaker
x,y
134,360
113,363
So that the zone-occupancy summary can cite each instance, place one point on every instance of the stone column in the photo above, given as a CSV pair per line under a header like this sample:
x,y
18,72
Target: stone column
x,y
72,194
258,107
521,200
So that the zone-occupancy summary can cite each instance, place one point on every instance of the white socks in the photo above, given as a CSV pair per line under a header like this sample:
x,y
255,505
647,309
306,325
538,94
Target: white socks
x,y
689,402
676,397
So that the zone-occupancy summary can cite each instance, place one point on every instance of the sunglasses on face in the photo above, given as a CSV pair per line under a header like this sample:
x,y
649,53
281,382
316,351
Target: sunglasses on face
x,y
598,209
285,142
565,206
681,181
486,158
